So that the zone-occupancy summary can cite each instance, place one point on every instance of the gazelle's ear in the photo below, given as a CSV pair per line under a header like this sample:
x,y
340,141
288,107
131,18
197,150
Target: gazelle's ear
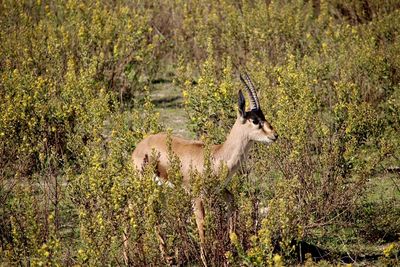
x,y
241,104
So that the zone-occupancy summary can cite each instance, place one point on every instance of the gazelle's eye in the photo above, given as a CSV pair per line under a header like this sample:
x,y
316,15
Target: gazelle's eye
x,y
256,122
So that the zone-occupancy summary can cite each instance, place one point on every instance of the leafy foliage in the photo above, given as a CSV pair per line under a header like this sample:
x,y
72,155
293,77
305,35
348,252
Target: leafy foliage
x,y
76,81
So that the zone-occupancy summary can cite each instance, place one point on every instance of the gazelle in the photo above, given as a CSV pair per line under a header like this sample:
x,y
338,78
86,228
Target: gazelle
x,y
250,126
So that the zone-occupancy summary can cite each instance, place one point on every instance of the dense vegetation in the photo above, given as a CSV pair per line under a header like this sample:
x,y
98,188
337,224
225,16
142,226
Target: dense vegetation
x,y
76,80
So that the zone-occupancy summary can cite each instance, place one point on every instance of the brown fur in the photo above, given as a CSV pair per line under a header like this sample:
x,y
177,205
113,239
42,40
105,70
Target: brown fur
x,y
191,153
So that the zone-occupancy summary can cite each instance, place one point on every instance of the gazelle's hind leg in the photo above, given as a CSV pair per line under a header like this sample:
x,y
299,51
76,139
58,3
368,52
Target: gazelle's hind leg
x,y
125,243
198,208
139,164
163,247
160,181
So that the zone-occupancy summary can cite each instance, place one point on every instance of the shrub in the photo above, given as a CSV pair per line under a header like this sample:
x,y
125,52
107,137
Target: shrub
x,y
75,95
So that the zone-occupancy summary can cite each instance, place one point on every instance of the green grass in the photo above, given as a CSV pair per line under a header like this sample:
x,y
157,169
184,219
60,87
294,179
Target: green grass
x,y
167,98
383,188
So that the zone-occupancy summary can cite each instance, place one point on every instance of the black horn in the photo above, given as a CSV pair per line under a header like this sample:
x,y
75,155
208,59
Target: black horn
x,y
248,84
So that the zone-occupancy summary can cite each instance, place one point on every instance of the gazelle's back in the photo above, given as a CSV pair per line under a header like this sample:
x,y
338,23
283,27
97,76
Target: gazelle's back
x,y
189,152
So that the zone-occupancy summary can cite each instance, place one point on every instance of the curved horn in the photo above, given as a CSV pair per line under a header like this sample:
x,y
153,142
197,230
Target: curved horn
x,y
254,103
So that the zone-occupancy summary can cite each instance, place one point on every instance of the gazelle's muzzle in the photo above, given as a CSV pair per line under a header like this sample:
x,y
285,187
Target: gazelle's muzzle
x,y
273,136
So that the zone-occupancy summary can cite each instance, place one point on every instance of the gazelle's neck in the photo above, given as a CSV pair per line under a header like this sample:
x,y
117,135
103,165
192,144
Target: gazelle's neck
x,y
235,148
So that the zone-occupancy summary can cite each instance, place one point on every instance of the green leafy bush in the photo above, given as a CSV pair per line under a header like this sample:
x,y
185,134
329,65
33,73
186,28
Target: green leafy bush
x,y
76,87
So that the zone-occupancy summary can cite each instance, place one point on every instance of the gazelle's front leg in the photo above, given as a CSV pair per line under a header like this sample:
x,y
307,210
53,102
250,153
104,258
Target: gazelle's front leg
x,y
231,208
198,208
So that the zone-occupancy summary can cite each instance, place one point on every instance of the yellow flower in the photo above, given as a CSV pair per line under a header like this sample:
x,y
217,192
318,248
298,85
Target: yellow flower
x,y
277,260
234,238
388,250
81,31
229,255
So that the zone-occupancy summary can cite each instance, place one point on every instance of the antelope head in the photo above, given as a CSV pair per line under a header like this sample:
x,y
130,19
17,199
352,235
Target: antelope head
x,y
256,126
